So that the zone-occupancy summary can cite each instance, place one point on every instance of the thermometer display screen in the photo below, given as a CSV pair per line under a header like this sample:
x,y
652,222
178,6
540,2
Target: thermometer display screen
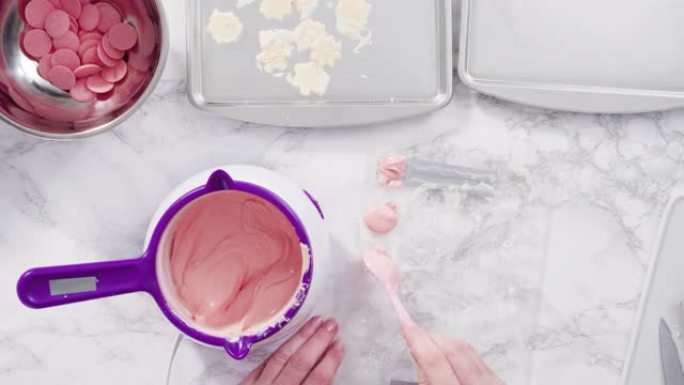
x,y
73,285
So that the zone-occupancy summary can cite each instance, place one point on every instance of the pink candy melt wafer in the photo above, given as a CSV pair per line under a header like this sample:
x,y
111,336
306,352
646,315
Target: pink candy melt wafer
x,y
44,66
72,7
90,17
36,11
57,23
90,56
69,40
122,36
81,93
65,57
87,70
111,51
37,43
94,35
86,45
61,77
106,95
104,58
108,17
73,24
116,73
98,85
21,10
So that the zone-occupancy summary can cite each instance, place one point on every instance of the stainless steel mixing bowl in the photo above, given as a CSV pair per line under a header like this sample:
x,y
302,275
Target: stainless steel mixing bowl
x,y
31,104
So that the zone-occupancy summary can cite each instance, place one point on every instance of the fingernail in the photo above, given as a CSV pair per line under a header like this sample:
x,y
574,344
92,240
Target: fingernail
x,y
314,323
330,326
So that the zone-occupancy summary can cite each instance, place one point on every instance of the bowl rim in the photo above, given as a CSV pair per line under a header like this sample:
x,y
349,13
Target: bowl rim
x,y
161,65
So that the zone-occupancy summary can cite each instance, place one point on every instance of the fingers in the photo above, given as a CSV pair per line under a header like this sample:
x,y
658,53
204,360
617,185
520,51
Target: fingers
x,y
308,355
461,357
275,364
324,372
432,363
253,375
465,362
422,378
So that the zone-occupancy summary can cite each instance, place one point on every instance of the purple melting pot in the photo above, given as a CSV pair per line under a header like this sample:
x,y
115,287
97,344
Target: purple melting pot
x,y
44,287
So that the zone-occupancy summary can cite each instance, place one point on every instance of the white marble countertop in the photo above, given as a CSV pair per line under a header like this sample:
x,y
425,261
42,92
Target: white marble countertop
x,y
542,274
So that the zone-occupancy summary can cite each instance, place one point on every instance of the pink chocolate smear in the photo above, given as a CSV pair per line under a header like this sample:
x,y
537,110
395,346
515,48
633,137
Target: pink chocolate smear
x,y
235,260
383,218
392,170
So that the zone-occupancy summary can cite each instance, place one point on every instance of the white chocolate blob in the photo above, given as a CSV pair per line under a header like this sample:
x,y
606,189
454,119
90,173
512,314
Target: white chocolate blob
x,y
309,78
224,27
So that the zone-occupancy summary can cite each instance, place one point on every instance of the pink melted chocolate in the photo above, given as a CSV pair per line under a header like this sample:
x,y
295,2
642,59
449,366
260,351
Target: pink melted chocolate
x,y
235,260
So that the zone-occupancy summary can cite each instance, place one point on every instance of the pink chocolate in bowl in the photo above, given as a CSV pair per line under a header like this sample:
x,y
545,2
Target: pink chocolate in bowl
x,y
52,112
231,262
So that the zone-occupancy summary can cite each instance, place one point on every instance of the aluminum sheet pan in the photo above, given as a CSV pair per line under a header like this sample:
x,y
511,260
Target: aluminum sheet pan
x,y
582,55
406,71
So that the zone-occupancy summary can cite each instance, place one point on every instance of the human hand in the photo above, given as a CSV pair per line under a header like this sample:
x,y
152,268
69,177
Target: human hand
x,y
443,360
311,357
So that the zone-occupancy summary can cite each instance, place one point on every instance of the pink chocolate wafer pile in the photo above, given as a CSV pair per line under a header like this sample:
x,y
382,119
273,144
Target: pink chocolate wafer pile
x,y
81,47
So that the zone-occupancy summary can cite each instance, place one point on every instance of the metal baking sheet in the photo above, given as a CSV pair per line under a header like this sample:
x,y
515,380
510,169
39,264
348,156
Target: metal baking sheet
x,y
582,55
406,71
662,299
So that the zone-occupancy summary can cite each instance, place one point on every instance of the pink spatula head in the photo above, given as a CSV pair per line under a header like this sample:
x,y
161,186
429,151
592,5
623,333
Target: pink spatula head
x,y
380,263
382,266
423,348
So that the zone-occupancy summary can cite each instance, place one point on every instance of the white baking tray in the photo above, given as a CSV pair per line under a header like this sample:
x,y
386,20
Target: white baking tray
x,y
582,55
661,299
406,71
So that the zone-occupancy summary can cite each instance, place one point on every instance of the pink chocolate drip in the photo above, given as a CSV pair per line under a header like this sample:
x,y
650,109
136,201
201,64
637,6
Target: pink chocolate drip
x,y
235,260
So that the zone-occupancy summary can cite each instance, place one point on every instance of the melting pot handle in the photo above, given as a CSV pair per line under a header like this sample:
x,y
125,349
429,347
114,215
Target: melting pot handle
x,y
60,285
